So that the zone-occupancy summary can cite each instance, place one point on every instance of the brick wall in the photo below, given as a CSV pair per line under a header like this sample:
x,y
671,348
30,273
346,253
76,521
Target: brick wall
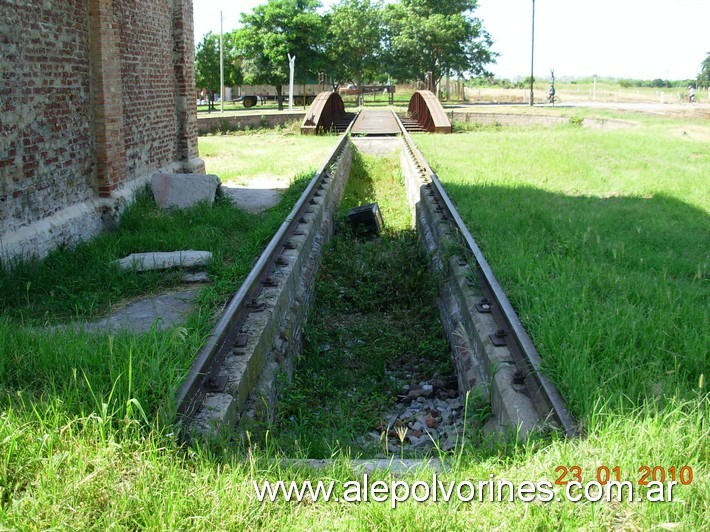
x,y
45,110
148,83
92,103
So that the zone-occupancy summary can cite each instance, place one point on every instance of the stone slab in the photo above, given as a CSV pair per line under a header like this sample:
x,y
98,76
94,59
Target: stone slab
x,y
164,260
375,122
196,277
162,312
183,190
253,200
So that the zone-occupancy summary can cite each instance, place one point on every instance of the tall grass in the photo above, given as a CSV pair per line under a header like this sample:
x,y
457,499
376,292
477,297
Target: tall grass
x,y
602,241
69,462
374,327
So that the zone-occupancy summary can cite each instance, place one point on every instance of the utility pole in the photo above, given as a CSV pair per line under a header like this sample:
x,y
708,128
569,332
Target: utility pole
x,y
291,64
221,64
532,55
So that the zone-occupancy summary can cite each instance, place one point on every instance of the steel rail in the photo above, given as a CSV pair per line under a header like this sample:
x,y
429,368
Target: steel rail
x,y
522,348
202,376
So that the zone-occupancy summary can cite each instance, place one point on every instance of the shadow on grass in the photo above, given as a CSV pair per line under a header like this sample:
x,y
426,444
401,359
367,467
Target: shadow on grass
x,y
613,291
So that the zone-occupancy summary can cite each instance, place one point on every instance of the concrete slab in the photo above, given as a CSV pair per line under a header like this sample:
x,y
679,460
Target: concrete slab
x,y
375,122
164,260
253,200
258,194
165,311
183,190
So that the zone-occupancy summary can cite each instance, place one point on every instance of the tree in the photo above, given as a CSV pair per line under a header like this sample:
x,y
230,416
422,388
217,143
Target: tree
x,y
207,75
441,37
274,30
354,41
704,76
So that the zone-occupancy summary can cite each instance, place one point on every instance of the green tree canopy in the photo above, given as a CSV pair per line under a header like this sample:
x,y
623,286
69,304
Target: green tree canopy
x,y
274,30
441,37
704,76
207,74
354,41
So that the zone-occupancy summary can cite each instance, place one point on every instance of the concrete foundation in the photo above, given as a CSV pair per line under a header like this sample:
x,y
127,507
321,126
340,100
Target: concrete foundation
x,y
274,335
481,367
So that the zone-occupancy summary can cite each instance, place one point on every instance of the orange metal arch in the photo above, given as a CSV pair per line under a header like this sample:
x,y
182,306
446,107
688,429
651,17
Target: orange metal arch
x,y
425,108
327,109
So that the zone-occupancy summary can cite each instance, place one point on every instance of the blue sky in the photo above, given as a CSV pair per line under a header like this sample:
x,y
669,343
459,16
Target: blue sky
x,y
642,39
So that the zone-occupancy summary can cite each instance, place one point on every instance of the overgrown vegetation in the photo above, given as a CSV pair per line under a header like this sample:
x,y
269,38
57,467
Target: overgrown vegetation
x,y
374,327
136,376
84,283
78,452
601,240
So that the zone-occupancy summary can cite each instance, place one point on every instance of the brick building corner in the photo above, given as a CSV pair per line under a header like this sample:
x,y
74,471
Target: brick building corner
x,y
95,97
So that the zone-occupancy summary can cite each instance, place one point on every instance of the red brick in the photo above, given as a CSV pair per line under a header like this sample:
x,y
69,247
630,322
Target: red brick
x,y
96,82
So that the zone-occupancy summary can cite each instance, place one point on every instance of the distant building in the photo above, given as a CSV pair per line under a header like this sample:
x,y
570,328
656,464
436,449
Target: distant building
x,y
95,97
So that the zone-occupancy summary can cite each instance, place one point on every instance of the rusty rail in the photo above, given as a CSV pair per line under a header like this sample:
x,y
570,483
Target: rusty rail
x,y
543,392
325,111
203,375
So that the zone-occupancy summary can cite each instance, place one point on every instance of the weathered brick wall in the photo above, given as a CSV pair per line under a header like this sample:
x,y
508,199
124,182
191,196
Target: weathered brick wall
x,y
45,109
93,101
148,83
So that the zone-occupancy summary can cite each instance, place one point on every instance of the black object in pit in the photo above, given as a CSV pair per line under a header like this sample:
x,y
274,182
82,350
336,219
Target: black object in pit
x,y
366,219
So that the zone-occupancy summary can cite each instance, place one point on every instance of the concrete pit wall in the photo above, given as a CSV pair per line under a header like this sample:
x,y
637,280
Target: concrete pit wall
x,y
275,335
488,371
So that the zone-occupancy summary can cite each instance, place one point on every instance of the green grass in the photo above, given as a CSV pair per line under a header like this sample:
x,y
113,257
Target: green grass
x,y
84,283
69,462
373,329
83,370
601,239
266,154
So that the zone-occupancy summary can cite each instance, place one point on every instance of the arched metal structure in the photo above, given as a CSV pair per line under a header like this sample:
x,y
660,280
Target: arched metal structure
x,y
326,110
425,108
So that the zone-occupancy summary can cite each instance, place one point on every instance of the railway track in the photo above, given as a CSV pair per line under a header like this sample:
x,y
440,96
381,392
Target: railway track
x,y
510,332
205,375
209,377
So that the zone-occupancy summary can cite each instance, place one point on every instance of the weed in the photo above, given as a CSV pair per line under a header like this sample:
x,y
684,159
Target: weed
x,y
374,326
57,469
